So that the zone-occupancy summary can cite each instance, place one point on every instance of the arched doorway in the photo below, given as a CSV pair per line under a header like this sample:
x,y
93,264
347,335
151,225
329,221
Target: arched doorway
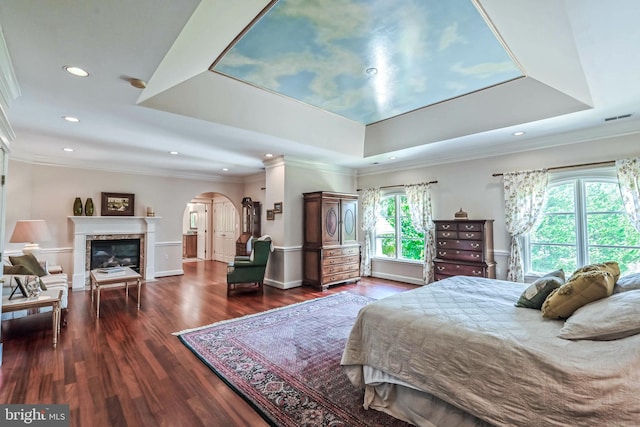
x,y
210,228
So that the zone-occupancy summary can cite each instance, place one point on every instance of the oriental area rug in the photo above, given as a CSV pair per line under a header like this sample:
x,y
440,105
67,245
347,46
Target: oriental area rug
x,y
286,362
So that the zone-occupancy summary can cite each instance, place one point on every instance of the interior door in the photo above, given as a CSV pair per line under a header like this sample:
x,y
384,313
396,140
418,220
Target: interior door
x,y
225,230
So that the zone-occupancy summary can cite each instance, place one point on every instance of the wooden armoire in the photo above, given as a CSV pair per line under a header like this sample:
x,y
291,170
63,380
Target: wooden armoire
x,y
331,252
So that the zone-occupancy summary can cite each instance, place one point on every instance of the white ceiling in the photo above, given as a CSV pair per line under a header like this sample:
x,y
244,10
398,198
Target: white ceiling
x,y
579,57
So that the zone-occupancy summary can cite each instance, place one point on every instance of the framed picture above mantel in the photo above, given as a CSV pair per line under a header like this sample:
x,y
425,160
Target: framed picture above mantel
x,y
117,204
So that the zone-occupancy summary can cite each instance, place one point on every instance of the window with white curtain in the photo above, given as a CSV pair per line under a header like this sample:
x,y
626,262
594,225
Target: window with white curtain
x,y
396,237
583,222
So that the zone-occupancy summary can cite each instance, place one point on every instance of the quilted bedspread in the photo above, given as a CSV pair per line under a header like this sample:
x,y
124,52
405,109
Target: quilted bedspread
x,y
464,341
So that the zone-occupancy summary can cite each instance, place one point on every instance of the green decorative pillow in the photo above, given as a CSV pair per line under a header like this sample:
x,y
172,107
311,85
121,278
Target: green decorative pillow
x,y
538,291
581,289
29,261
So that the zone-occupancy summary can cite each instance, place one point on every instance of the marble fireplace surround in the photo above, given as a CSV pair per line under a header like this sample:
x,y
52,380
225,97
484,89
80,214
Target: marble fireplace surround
x,y
92,227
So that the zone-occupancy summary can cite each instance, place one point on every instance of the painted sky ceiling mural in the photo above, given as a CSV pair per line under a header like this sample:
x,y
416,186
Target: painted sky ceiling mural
x,y
370,60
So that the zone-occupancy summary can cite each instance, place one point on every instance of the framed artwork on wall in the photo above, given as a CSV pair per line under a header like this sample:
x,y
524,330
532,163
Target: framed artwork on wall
x,y
271,215
117,204
277,207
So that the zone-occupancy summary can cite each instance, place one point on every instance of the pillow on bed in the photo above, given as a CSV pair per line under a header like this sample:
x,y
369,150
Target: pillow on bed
x,y
582,288
539,290
607,319
629,282
610,266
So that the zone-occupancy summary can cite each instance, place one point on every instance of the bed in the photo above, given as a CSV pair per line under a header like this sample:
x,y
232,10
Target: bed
x,y
460,353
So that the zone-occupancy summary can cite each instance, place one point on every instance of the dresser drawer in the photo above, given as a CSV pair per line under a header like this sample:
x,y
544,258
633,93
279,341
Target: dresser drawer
x,y
332,252
447,234
453,269
470,235
355,250
338,268
470,226
446,226
341,277
352,259
459,255
466,245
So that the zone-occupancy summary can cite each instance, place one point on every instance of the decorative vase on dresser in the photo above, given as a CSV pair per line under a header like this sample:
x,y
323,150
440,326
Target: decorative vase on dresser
x,y
331,252
464,248
77,206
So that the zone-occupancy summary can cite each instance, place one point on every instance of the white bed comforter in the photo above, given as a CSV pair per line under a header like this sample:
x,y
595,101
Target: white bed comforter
x,y
464,341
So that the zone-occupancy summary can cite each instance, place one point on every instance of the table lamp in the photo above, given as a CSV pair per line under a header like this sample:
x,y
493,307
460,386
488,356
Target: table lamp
x,y
30,232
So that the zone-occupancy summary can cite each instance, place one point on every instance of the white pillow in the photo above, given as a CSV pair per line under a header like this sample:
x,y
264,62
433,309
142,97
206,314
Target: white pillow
x,y
610,318
627,283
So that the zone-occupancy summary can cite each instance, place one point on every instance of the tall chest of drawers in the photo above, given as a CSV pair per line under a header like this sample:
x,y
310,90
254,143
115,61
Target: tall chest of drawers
x,y
331,252
464,248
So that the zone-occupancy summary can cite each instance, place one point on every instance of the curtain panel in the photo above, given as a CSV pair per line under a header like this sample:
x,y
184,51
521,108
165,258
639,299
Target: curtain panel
x,y
370,207
628,171
524,194
420,207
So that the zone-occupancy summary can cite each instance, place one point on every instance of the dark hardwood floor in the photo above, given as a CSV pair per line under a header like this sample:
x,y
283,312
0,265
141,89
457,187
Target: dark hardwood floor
x,y
126,368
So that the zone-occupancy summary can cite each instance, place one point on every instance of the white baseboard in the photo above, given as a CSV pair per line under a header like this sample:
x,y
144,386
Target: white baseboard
x,y
282,285
398,278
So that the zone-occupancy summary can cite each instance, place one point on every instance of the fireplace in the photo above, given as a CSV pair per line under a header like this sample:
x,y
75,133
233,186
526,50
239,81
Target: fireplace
x,y
115,250
115,253
88,229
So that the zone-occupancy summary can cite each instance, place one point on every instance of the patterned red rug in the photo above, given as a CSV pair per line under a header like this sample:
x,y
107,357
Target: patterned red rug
x,y
286,362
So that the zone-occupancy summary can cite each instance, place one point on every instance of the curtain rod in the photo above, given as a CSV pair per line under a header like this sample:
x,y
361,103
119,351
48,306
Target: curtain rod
x,y
402,185
608,162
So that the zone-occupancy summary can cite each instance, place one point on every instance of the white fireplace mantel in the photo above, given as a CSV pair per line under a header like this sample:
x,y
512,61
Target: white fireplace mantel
x,y
91,225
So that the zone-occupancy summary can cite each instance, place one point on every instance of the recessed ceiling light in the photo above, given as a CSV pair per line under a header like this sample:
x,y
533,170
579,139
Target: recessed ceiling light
x,y
268,155
68,150
76,71
519,133
137,83
371,71
71,119
175,153
225,169
392,158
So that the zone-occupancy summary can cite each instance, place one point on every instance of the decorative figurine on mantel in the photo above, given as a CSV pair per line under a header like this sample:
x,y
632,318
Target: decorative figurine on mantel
x,y
461,215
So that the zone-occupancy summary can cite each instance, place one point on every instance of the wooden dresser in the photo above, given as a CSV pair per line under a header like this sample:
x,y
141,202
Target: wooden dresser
x,y
331,252
464,248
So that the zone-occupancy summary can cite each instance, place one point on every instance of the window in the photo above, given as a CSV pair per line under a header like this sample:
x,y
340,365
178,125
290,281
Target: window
x,y
583,222
396,237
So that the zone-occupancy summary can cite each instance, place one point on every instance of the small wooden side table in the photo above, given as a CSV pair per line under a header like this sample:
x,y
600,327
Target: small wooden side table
x,y
118,279
46,298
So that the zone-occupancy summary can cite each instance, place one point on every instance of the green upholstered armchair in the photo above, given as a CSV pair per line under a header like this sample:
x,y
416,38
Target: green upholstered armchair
x,y
249,269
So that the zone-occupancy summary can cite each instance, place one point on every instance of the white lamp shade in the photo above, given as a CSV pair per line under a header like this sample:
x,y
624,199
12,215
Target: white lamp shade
x,y
30,231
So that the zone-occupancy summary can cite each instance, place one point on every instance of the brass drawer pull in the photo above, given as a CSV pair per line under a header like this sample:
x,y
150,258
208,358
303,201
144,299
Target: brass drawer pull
x,y
445,226
442,253
475,245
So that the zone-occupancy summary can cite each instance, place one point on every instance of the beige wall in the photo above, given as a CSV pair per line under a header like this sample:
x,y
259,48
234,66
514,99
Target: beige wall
x,y
47,192
470,185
